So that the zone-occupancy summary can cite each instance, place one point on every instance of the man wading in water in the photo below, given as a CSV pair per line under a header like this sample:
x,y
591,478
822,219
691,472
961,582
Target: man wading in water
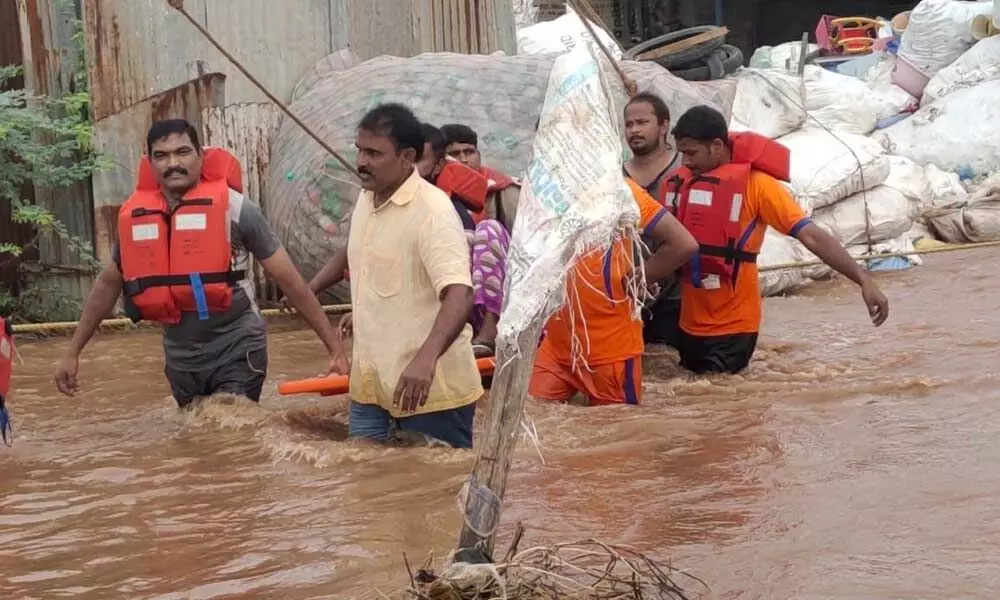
x,y
184,239
647,124
411,291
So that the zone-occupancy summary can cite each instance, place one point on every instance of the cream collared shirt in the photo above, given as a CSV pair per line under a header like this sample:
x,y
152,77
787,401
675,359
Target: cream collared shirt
x,y
402,255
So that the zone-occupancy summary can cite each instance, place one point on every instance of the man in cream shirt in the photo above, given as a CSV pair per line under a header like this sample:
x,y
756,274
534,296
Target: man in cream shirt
x,y
413,366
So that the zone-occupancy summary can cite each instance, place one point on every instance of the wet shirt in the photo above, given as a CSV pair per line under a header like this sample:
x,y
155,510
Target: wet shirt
x,y
196,345
598,310
403,255
737,309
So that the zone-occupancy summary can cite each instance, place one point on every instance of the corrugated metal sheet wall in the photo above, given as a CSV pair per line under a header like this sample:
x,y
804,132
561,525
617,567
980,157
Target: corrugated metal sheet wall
x,y
132,64
49,56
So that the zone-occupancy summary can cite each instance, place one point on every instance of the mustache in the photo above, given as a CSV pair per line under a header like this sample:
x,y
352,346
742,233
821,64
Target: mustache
x,y
173,170
364,171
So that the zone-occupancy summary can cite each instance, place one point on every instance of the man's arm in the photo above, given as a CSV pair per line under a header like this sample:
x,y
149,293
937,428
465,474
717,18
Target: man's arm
x,y
830,251
779,210
677,246
101,301
332,272
260,240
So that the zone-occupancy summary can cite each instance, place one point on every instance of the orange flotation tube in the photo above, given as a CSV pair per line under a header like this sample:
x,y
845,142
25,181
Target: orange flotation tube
x,y
340,384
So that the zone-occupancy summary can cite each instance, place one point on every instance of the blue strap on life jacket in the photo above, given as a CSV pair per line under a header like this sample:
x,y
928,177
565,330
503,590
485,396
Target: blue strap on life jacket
x,y
6,431
198,289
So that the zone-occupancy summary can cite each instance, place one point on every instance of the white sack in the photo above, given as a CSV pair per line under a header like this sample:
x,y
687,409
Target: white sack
x,y
960,131
779,249
902,243
825,170
768,102
926,187
783,56
939,32
888,216
574,198
981,63
563,35
973,219
848,104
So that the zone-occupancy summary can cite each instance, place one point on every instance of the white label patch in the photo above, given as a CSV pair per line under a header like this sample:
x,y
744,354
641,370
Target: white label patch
x,y
5,348
711,282
191,222
700,197
146,232
734,211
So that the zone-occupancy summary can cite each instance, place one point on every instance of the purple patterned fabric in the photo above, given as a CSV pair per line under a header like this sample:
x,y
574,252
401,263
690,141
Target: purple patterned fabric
x,y
490,243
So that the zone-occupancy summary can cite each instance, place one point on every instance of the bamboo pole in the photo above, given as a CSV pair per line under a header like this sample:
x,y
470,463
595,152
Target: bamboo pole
x,y
506,407
64,326
933,250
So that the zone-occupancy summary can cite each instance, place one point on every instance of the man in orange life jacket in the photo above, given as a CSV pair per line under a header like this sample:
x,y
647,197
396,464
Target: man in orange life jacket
x,y
647,126
6,369
463,145
726,195
185,237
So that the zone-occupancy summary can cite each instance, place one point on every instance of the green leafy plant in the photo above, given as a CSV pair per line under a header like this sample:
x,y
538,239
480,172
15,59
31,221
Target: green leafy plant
x,y
46,142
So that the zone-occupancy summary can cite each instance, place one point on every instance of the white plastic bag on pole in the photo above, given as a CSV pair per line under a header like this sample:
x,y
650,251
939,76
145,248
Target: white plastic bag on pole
x,y
573,198
563,35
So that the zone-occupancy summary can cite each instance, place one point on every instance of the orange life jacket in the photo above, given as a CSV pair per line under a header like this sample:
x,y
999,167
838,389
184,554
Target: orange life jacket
x,y
6,356
464,183
709,205
496,180
6,370
179,260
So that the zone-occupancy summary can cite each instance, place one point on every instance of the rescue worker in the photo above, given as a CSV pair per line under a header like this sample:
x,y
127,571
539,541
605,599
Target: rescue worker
x,y
463,145
647,127
727,194
593,346
7,351
185,237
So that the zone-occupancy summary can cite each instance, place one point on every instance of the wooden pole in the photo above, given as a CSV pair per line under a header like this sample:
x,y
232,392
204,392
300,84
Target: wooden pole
x,y
496,450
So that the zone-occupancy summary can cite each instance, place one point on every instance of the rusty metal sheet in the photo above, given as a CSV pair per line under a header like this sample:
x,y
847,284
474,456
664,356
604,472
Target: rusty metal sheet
x,y
139,48
463,26
246,130
122,137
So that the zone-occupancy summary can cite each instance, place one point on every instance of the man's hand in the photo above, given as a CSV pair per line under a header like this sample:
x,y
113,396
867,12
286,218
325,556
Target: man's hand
x,y
340,364
66,374
346,327
877,303
414,383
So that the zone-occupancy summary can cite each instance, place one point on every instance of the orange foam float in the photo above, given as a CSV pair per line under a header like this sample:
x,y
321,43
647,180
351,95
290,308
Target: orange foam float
x,y
335,385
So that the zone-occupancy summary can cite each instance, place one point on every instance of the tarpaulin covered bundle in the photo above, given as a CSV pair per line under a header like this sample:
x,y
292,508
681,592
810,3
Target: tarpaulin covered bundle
x,y
311,195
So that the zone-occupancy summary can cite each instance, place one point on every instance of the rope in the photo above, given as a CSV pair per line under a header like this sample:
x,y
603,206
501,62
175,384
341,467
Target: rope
x,y
61,326
584,10
942,248
179,6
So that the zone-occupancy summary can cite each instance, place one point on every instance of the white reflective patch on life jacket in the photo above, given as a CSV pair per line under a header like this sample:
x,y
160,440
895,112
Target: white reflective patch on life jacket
x,y
191,222
145,232
700,197
5,348
734,210
711,282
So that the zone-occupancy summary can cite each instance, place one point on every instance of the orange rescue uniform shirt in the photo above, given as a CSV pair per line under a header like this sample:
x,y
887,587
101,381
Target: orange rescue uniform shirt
x,y
597,304
737,309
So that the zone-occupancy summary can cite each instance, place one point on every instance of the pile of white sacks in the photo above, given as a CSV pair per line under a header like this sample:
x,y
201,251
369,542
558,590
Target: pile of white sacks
x,y
876,189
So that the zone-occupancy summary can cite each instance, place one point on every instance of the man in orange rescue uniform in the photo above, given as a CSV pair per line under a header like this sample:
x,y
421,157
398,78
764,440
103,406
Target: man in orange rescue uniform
x,y
184,241
593,345
725,194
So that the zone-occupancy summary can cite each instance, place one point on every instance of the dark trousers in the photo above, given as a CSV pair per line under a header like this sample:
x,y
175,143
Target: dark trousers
x,y
243,376
716,354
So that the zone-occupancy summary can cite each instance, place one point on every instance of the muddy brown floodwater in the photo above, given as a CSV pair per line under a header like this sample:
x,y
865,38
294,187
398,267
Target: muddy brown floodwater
x,y
847,463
